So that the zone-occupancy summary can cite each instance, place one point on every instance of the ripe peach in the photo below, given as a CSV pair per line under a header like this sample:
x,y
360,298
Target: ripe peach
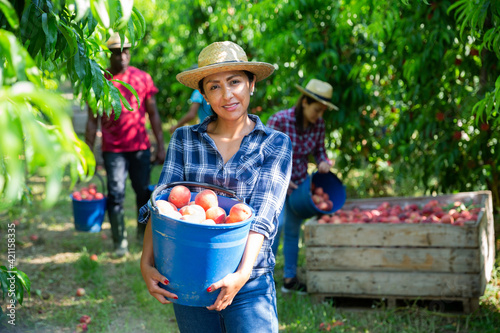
x,y
77,196
206,199
80,292
319,191
239,212
93,257
193,210
218,214
193,218
92,191
34,238
99,196
447,219
85,319
208,222
317,199
174,214
165,206
323,206
180,196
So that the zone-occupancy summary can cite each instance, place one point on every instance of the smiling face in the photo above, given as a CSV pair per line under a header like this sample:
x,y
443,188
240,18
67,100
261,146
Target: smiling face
x,y
228,93
119,60
312,111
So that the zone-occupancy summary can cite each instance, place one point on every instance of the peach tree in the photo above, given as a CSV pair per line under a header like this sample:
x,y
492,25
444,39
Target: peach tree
x,y
44,43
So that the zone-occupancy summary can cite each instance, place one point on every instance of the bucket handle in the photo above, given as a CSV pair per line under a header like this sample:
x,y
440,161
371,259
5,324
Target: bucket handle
x,y
160,188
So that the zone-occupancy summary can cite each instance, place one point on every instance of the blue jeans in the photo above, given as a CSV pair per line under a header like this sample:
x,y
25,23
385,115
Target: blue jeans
x,y
290,223
118,167
252,310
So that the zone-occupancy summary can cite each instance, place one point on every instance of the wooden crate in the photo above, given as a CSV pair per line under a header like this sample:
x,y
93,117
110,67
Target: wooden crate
x,y
403,261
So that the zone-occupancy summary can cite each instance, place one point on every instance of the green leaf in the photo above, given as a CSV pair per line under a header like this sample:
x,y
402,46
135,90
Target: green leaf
x,y
132,90
139,22
70,36
114,95
97,79
82,7
99,9
10,13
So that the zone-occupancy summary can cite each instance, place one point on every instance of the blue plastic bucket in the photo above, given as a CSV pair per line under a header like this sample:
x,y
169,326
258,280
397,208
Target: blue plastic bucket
x,y
193,256
88,214
301,202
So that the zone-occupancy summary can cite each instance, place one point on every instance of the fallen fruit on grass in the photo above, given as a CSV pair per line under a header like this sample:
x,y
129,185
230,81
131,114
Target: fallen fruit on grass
x,y
34,238
82,327
80,292
85,319
180,196
93,257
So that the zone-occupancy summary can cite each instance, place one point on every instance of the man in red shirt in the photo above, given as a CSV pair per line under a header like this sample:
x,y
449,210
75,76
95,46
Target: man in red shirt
x,y
125,143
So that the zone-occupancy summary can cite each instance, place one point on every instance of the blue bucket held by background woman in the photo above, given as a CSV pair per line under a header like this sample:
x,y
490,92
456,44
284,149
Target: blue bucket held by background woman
x,y
193,256
301,201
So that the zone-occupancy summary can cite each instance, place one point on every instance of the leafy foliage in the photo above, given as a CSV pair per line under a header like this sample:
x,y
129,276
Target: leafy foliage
x,y
416,82
43,43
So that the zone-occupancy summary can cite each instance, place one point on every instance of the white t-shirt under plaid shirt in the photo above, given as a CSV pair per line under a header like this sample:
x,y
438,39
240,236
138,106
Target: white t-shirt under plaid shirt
x,y
258,173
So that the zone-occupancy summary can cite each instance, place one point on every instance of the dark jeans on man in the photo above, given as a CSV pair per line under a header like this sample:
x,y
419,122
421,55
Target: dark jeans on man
x,y
118,167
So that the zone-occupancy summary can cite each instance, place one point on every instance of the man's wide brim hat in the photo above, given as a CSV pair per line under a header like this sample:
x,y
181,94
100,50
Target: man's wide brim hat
x,y
115,42
222,57
320,91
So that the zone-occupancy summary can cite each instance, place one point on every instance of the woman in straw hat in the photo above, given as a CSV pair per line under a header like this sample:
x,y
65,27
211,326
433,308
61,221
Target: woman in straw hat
x,y
305,126
236,151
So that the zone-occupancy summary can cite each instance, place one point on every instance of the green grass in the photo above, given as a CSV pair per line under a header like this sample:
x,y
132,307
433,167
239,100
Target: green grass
x,y
117,300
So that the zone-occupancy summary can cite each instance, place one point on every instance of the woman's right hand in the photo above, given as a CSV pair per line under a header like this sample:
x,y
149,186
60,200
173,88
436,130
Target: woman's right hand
x,y
153,278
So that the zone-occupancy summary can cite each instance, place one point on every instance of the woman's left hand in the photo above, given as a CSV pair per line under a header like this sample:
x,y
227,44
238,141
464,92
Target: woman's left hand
x,y
229,287
324,167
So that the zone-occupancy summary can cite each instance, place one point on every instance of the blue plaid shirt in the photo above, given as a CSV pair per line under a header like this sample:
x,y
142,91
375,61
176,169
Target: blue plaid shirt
x,y
259,173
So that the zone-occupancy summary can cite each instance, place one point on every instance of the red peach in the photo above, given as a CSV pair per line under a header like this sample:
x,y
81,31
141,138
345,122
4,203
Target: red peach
x,y
165,206
447,219
85,319
77,195
99,196
206,199
323,206
82,327
195,218
34,238
174,214
218,214
180,196
80,292
92,191
193,210
240,212
93,257
317,199
319,191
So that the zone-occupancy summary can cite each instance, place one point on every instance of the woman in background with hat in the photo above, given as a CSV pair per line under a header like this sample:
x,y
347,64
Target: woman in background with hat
x,y
236,151
305,126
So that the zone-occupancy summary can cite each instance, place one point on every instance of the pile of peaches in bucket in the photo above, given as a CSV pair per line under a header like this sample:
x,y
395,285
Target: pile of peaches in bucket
x,y
455,213
204,209
88,193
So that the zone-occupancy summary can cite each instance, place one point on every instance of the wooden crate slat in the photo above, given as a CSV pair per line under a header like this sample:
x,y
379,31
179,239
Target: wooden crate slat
x,y
446,260
381,234
410,284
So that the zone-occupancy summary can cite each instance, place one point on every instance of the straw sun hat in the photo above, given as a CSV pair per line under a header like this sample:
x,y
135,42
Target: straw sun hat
x,y
115,42
220,57
319,90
